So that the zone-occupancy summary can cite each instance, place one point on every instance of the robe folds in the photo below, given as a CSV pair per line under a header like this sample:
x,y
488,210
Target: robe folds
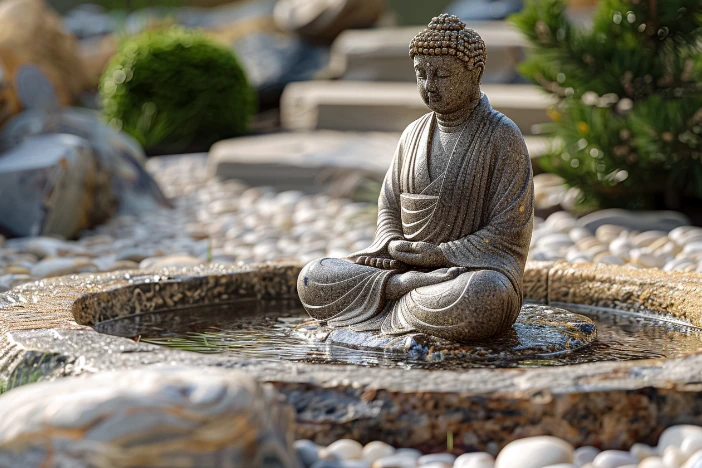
x,y
479,212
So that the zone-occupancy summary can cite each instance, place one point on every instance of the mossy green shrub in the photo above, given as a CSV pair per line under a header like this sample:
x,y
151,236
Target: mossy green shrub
x,y
174,88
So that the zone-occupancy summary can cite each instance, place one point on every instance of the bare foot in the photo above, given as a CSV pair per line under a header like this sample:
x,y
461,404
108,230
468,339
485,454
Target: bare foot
x,y
399,285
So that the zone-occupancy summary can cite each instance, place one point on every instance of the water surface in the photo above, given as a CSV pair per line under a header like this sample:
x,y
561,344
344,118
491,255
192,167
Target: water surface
x,y
266,330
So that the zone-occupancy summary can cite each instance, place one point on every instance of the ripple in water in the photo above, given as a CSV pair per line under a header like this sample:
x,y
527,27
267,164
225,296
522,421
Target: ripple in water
x,y
265,330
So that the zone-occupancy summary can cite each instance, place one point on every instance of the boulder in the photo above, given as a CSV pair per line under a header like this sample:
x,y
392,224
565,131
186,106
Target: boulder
x,y
187,417
49,184
118,159
323,20
32,34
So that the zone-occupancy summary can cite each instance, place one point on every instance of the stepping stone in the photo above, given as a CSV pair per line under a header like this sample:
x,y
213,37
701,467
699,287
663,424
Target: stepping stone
x,y
300,160
381,54
390,107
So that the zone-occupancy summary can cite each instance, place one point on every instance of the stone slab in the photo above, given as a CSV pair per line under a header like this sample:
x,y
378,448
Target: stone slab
x,y
307,160
381,54
539,330
390,107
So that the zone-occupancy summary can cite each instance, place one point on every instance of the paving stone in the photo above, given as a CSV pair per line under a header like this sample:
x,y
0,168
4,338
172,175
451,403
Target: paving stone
x,y
391,107
381,54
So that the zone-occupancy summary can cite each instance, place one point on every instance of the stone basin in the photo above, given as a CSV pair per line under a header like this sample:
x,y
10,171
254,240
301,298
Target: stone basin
x,y
49,331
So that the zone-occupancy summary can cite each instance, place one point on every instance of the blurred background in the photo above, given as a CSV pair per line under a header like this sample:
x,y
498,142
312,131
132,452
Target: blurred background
x,y
310,96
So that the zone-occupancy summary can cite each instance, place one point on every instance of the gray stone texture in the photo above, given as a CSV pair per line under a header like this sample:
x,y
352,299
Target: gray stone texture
x,y
455,213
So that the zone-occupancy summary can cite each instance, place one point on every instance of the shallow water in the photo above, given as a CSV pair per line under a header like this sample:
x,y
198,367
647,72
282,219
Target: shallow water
x,y
265,330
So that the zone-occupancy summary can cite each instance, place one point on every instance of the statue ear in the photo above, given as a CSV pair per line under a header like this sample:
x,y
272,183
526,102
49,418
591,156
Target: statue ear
x,y
481,67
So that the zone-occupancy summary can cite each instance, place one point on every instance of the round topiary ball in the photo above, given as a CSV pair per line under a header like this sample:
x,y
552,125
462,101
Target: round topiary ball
x,y
174,88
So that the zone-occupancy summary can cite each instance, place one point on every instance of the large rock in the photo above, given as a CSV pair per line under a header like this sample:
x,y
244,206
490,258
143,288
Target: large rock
x,y
48,185
184,417
121,181
34,35
381,54
390,107
323,20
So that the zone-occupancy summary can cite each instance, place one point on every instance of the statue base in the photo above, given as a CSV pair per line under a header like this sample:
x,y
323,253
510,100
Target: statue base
x,y
539,331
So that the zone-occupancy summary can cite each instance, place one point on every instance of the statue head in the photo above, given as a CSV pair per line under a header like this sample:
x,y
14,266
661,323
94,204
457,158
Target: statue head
x,y
449,60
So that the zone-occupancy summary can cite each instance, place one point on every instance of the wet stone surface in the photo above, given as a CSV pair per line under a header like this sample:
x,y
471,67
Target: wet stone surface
x,y
539,330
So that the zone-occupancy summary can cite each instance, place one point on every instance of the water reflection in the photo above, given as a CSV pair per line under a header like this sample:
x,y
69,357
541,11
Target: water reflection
x,y
265,330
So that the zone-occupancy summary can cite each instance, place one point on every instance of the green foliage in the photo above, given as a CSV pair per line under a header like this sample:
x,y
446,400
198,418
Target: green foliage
x,y
628,120
173,88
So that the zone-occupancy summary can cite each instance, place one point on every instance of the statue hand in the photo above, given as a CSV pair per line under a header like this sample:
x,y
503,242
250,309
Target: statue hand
x,y
421,254
377,262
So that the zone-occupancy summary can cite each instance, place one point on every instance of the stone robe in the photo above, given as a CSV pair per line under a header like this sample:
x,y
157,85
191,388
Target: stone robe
x,y
479,212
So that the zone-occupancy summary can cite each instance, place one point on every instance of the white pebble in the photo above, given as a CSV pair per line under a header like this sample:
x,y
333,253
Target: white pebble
x,y
561,465
647,260
673,457
614,459
691,444
642,451
621,247
652,462
554,241
579,233
584,455
396,461
376,450
695,461
675,435
436,458
608,232
535,452
647,238
611,260
693,247
680,264
344,449
475,460
676,233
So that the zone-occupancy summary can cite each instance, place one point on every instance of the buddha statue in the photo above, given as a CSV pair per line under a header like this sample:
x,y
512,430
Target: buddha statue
x,y
455,213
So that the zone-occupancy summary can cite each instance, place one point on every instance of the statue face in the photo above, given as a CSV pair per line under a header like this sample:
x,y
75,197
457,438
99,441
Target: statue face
x,y
445,83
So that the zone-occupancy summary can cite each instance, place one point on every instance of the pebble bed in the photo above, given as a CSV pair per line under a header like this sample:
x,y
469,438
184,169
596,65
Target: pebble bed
x,y
678,447
230,222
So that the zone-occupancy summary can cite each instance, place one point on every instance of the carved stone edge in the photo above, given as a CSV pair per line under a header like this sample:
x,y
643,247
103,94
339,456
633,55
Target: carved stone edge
x,y
610,404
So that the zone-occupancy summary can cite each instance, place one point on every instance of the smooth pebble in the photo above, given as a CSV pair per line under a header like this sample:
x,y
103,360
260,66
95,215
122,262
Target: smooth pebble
x,y
307,451
475,460
436,458
396,461
376,450
586,454
614,459
673,457
652,462
675,435
691,444
344,449
642,451
534,452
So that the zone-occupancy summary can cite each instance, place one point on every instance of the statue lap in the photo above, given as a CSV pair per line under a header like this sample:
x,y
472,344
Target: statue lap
x,y
476,304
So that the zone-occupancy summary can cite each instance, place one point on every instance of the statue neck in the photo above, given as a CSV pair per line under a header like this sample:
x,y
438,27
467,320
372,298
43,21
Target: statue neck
x,y
453,121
